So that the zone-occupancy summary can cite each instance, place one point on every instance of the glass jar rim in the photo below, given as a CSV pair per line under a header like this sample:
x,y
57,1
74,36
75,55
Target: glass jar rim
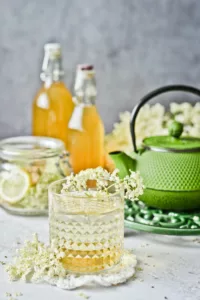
x,y
72,194
30,147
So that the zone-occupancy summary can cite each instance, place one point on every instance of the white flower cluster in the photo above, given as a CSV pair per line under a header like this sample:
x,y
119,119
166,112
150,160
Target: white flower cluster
x,y
120,138
153,120
35,261
131,185
188,115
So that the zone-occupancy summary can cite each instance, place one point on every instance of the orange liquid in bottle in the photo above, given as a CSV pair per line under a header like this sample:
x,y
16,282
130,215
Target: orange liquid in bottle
x,y
87,146
52,109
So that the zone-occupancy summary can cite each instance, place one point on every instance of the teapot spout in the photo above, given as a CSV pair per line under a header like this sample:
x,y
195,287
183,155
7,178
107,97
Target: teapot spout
x,y
123,162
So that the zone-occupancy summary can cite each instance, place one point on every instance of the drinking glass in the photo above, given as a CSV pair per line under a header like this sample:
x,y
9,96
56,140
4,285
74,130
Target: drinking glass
x,y
87,229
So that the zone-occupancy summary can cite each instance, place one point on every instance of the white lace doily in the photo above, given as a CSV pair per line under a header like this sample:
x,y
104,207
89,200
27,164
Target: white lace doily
x,y
116,275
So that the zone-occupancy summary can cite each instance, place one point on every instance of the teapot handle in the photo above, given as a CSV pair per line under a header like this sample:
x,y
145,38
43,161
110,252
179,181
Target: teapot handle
x,y
151,95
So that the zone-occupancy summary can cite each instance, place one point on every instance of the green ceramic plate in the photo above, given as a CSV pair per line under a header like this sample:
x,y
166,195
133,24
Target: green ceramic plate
x,y
140,217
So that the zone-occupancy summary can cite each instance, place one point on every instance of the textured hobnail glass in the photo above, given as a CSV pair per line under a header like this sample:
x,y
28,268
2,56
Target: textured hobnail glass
x,y
88,230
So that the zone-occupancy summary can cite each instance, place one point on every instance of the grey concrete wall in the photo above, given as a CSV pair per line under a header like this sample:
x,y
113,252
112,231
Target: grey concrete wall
x,y
136,45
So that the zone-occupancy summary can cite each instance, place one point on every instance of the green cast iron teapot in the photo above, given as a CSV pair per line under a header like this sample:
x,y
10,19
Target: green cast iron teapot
x,y
169,165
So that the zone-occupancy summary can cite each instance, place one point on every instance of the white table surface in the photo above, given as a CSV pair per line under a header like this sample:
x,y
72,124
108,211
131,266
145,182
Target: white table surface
x,y
172,272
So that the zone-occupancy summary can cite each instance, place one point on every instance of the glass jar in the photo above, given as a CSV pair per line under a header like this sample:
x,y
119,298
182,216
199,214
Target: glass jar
x,y
89,231
27,166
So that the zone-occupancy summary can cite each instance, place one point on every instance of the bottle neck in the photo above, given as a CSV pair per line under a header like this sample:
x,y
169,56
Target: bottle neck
x,y
85,87
52,70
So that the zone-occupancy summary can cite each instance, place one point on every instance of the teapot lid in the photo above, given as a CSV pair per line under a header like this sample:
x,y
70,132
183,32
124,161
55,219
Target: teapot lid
x,y
173,142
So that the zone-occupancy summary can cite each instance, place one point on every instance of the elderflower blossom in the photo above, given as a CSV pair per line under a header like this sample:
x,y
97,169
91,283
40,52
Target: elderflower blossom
x,y
120,137
188,115
35,261
153,120
132,185
150,121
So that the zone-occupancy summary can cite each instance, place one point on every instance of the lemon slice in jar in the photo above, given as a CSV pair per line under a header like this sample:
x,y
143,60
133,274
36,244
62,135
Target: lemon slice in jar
x,y
14,185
